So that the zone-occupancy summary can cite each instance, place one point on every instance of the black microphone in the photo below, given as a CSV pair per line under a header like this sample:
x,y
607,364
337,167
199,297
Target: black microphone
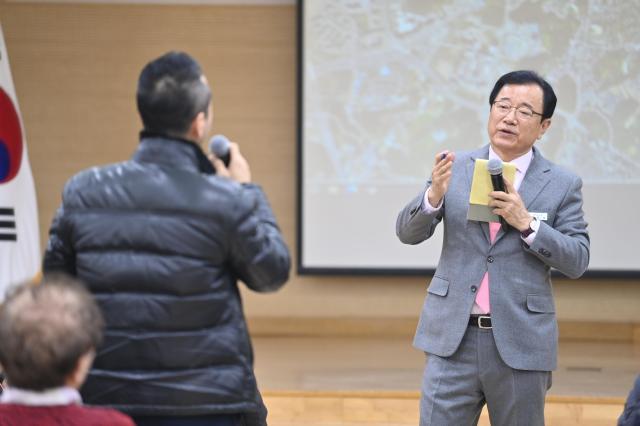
x,y
494,167
219,146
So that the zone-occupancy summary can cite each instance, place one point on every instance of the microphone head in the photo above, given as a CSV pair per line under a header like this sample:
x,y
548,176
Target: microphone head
x,y
494,166
219,145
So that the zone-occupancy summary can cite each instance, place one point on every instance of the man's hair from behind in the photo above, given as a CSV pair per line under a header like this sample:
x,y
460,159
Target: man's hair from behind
x,y
45,329
524,77
171,94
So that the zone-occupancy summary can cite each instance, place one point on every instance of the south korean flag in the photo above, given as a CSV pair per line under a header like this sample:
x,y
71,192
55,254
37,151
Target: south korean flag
x,y
19,230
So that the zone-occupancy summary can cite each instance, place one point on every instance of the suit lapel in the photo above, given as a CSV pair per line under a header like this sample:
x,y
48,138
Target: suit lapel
x,y
536,179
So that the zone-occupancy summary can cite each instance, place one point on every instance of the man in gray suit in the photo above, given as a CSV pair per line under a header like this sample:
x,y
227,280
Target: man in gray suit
x,y
488,322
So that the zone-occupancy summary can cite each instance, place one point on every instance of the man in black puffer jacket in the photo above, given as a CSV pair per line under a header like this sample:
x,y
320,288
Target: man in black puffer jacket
x,y
631,414
160,241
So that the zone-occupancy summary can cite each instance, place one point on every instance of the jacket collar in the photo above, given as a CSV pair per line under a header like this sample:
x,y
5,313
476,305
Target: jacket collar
x,y
172,151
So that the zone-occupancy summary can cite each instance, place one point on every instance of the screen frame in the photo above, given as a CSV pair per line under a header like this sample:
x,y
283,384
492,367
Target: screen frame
x,y
301,268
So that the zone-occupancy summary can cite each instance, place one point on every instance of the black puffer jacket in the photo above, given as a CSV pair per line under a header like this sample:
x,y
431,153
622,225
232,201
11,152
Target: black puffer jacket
x,y
160,245
631,414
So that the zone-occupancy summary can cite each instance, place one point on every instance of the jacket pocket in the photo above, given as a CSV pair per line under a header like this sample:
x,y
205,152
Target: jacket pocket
x,y
540,303
439,286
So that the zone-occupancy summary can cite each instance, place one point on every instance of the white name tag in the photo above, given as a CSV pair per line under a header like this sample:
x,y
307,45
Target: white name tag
x,y
539,216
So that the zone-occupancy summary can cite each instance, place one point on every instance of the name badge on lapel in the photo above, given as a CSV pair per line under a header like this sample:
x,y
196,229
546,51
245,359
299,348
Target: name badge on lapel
x,y
539,216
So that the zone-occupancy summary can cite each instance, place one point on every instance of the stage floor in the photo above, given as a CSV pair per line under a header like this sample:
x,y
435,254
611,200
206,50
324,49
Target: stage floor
x,y
591,369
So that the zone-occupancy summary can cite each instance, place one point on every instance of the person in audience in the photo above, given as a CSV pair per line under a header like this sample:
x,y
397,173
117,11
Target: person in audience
x,y
162,241
48,336
631,414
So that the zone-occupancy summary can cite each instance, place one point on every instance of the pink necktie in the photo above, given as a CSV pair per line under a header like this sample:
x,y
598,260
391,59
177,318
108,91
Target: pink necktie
x,y
482,298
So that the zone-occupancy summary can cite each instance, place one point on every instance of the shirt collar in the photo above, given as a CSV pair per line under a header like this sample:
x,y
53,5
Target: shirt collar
x,y
522,163
57,396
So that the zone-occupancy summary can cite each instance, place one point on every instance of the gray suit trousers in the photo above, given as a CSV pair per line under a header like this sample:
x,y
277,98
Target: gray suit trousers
x,y
455,388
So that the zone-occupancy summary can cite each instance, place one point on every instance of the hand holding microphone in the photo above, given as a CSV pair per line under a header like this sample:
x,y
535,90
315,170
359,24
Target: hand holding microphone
x,y
219,146
494,166
227,159
506,201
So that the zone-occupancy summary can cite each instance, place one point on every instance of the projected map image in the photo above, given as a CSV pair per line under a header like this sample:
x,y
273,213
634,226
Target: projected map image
x,y
388,84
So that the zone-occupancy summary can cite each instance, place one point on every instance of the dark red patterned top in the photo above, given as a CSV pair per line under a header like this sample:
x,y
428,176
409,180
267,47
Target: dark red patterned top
x,y
61,415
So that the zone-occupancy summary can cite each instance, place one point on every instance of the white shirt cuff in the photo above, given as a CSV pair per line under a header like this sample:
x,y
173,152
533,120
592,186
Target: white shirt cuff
x,y
426,205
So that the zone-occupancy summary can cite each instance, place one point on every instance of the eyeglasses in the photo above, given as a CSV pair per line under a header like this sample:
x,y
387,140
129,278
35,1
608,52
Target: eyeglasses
x,y
523,112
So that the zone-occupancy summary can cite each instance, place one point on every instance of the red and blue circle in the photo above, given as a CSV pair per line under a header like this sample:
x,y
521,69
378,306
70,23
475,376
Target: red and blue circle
x,y
11,146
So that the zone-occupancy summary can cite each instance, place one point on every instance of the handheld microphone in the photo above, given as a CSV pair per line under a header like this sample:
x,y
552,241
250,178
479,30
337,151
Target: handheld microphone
x,y
494,167
219,146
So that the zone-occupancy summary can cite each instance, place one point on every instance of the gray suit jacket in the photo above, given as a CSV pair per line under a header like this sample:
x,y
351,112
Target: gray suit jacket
x,y
522,305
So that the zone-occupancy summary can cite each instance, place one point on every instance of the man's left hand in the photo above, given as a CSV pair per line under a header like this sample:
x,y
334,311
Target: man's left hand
x,y
509,205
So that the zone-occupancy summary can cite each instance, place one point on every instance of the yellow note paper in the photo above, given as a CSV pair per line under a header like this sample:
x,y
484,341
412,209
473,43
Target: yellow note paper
x,y
481,185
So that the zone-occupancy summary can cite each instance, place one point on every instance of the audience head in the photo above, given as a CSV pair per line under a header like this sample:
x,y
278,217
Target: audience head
x,y
172,93
48,334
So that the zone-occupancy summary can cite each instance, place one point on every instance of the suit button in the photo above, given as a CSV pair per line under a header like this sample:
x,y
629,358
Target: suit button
x,y
544,252
474,289
490,259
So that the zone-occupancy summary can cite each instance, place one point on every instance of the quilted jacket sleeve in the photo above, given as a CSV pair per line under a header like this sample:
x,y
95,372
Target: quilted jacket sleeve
x,y
59,255
259,255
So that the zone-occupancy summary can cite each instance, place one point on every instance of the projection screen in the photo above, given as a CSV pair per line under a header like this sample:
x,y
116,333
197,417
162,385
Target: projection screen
x,y
385,85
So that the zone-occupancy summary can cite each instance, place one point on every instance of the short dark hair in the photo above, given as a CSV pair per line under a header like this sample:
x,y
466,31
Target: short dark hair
x,y
528,77
171,93
45,329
